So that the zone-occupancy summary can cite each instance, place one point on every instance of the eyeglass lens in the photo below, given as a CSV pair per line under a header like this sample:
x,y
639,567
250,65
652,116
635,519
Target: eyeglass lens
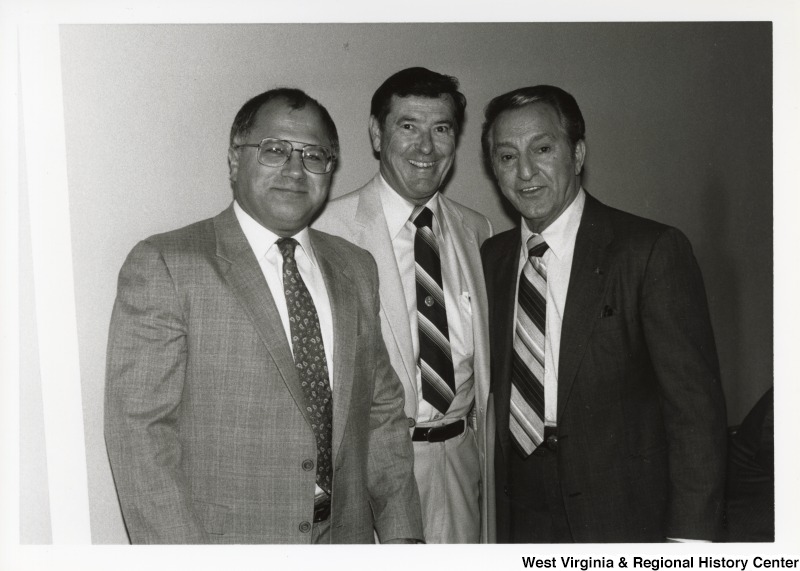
x,y
275,153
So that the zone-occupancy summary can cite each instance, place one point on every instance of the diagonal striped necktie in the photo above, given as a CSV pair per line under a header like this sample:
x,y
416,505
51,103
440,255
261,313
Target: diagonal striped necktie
x,y
526,420
435,356
309,359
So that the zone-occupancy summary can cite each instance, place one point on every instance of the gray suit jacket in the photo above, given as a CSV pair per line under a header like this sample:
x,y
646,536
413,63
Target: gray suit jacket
x,y
205,426
358,217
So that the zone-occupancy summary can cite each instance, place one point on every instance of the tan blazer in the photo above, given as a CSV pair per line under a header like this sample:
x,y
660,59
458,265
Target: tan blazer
x,y
206,430
358,217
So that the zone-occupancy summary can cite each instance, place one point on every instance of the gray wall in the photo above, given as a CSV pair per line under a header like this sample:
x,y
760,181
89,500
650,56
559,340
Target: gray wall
x,y
679,129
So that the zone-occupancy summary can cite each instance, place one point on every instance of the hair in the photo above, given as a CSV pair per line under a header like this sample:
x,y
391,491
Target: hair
x,y
564,104
294,98
419,82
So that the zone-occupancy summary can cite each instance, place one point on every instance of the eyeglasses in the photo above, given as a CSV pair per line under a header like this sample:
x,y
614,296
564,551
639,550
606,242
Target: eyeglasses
x,y
276,152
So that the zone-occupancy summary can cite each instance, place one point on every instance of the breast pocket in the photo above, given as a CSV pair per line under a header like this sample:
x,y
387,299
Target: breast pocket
x,y
608,340
606,324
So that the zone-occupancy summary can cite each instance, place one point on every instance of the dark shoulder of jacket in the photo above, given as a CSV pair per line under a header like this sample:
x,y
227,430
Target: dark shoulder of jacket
x,y
500,243
632,231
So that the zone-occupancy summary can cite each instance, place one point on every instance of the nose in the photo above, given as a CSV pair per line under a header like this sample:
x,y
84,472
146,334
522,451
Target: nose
x,y
526,167
293,168
425,142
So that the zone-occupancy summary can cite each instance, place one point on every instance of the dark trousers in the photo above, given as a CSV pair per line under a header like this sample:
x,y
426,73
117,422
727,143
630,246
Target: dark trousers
x,y
535,506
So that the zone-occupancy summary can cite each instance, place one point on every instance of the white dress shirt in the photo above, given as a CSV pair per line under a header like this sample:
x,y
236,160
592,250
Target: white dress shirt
x,y
402,231
560,237
263,244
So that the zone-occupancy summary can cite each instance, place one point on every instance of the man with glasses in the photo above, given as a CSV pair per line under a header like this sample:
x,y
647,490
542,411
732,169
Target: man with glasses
x,y
249,395
433,298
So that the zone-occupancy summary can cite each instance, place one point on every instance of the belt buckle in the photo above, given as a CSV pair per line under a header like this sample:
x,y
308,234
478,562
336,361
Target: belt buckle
x,y
430,436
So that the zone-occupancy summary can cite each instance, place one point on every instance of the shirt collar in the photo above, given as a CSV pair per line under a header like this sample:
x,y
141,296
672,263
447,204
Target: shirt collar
x,y
261,239
397,210
560,235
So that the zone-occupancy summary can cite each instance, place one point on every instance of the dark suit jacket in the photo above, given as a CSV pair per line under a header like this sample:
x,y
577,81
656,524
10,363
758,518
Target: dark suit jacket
x,y
750,501
205,422
641,415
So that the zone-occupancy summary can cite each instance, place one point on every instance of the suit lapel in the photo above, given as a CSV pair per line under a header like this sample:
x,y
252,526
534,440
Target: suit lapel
x,y
504,278
467,250
242,273
464,242
590,265
345,328
373,236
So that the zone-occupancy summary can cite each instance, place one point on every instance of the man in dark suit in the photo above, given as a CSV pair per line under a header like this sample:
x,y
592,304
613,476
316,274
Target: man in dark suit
x,y
610,415
249,395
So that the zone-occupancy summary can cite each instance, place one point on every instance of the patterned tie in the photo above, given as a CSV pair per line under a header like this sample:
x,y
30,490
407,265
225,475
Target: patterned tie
x,y
309,358
435,357
527,370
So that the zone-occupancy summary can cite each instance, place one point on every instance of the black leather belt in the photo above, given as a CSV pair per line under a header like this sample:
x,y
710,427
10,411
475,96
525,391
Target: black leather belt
x,y
322,509
439,433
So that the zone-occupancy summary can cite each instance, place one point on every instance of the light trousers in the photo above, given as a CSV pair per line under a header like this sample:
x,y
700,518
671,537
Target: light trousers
x,y
448,477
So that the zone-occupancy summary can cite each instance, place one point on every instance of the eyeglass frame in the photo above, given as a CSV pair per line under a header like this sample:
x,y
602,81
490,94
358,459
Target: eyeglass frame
x,y
300,150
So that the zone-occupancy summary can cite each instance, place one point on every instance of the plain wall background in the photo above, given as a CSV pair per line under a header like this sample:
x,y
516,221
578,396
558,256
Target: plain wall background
x,y
679,129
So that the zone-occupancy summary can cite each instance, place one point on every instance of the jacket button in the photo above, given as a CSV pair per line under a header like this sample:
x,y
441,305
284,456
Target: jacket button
x,y
308,465
411,422
552,442
305,527
505,490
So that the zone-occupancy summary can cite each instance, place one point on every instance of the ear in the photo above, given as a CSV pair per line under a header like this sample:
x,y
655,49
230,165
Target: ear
x,y
233,163
375,133
579,156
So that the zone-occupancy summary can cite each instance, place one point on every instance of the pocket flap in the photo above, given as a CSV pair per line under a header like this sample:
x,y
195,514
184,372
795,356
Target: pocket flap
x,y
212,515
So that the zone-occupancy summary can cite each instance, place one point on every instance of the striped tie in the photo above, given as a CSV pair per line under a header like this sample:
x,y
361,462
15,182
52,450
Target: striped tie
x,y
527,371
435,358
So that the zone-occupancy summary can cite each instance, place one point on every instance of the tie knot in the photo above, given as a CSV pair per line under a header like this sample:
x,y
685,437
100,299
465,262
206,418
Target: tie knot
x,y
287,246
536,246
422,216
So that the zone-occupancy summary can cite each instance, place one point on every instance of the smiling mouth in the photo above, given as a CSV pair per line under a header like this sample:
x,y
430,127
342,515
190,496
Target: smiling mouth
x,y
529,189
421,165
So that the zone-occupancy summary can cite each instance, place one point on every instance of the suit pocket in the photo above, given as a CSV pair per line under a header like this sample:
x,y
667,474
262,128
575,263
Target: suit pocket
x,y
609,323
213,516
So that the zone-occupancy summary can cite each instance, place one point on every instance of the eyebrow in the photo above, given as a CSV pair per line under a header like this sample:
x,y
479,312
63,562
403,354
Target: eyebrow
x,y
536,139
407,119
411,119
